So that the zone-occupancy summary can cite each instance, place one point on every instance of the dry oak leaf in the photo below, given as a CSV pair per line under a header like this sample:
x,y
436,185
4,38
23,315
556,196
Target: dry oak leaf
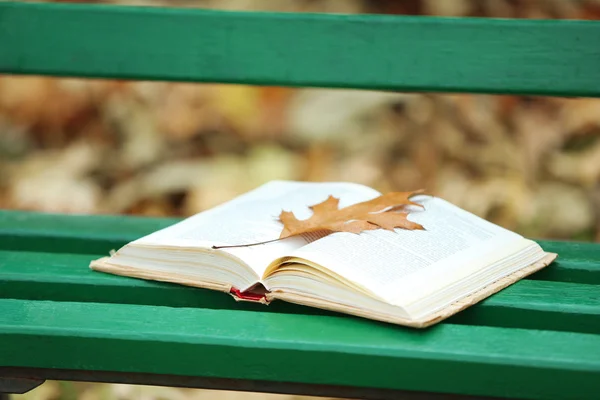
x,y
377,213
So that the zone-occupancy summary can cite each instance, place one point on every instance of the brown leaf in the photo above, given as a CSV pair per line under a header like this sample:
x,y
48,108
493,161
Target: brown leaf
x,y
380,212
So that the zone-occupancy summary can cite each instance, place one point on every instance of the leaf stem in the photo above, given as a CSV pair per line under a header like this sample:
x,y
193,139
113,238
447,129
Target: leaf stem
x,y
245,245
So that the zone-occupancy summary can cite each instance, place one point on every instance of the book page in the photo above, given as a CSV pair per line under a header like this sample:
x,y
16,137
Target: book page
x,y
253,217
392,264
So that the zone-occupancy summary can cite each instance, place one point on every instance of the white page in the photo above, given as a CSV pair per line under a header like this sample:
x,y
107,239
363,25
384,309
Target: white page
x,y
392,264
253,217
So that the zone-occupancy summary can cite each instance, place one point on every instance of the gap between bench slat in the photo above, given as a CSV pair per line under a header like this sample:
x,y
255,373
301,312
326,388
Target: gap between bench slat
x,y
299,348
401,53
66,277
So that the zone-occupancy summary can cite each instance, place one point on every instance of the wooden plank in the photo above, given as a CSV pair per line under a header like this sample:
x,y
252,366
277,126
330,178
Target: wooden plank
x,y
572,270
535,304
93,234
65,277
102,225
98,234
572,250
577,262
299,348
398,53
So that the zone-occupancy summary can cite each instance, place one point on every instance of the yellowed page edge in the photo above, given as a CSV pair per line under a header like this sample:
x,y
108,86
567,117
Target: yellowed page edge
x,y
102,266
432,319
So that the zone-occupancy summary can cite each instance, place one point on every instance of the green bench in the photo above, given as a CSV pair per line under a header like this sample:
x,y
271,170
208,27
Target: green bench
x,y
537,339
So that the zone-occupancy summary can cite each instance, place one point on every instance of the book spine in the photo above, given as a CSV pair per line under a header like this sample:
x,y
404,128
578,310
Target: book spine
x,y
250,296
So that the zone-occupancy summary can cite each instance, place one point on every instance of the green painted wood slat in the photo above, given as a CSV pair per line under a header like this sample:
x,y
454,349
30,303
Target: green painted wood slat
x,y
92,234
299,348
98,234
355,51
66,277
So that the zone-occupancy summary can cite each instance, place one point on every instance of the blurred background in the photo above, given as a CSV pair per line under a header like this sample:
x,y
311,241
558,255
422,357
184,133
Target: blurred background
x,y
529,164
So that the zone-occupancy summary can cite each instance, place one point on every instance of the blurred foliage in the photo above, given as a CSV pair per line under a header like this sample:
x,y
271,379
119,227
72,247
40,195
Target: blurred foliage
x,y
158,148
96,391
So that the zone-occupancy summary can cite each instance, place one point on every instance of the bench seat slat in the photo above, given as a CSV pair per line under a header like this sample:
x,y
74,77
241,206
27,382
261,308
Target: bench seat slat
x,y
536,304
578,262
575,271
354,51
298,348
128,226
66,277
83,234
98,234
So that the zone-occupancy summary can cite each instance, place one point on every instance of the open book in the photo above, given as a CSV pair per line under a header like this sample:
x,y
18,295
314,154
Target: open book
x,y
407,277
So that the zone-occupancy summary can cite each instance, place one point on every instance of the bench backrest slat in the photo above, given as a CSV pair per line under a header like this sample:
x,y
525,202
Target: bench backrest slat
x,y
353,51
